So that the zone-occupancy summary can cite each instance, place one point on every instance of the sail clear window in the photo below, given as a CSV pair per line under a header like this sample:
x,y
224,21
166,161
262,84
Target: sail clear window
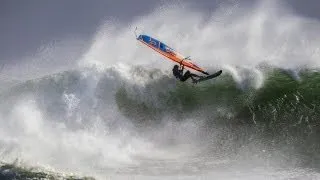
x,y
162,46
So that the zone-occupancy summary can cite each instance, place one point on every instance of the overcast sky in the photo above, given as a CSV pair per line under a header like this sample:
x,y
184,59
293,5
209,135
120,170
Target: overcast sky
x,y
25,24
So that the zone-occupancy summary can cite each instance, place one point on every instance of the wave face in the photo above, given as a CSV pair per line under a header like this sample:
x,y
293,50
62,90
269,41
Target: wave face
x,y
121,114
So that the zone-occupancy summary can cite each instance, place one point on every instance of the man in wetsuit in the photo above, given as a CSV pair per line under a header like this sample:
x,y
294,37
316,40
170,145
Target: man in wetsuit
x,y
178,73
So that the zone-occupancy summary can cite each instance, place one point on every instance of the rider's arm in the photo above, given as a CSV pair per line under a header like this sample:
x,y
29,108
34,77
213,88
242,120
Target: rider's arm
x,y
181,67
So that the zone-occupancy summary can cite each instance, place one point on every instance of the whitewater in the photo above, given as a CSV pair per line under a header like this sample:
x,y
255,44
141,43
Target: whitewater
x,y
112,110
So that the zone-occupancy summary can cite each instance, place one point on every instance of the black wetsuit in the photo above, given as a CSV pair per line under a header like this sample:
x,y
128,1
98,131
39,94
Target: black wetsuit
x,y
178,73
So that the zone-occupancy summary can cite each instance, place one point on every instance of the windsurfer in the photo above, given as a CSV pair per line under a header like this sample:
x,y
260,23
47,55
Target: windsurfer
x,y
178,73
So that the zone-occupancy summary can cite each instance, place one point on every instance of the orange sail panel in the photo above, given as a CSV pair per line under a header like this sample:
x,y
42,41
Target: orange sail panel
x,y
168,52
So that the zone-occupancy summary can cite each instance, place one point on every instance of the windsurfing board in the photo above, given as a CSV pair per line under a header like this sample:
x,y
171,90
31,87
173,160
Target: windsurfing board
x,y
209,77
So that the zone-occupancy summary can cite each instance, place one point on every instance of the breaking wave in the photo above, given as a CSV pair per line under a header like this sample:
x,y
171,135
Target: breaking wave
x,y
121,113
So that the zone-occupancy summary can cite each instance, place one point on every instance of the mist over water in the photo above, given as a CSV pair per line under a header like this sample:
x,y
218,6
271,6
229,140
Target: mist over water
x,y
117,112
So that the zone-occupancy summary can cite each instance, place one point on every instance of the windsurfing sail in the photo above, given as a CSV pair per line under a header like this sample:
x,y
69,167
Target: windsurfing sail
x,y
168,52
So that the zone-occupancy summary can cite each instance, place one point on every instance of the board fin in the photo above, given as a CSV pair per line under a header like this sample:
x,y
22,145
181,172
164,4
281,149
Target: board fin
x,y
218,73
